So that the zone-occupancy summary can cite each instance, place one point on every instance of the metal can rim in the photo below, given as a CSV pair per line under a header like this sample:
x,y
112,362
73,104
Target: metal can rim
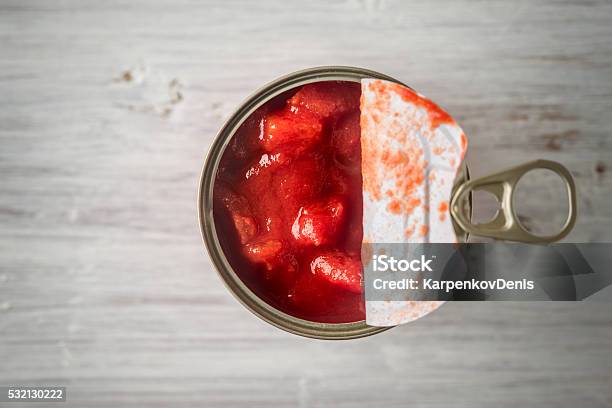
x,y
284,321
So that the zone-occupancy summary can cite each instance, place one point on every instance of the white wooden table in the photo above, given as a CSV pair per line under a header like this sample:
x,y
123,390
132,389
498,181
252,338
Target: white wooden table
x,y
107,111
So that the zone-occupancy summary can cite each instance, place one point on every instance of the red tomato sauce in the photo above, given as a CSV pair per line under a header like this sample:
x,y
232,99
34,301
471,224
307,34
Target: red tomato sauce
x,y
288,202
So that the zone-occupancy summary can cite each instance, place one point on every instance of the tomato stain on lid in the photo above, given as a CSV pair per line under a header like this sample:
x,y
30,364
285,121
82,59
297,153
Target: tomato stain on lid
x,y
411,151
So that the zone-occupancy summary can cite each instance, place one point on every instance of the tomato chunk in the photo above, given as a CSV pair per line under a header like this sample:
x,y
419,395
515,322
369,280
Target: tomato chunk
x,y
239,210
346,139
327,99
339,269
319,223
263,251
300,181
291,130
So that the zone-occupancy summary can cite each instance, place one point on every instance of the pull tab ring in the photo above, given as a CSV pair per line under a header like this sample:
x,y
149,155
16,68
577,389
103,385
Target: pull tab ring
x,y
502,185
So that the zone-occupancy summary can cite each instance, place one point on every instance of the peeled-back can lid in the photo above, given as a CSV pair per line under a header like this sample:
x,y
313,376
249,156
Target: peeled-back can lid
x,y
411,153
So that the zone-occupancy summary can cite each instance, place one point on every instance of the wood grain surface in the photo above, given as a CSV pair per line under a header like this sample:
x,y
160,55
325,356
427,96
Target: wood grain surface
x,y
107,111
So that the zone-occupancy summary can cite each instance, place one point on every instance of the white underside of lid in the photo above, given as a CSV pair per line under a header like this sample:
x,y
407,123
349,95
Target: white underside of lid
x,y
411,153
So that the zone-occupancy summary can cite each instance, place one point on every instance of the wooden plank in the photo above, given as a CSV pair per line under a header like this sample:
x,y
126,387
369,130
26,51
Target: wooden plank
x,y
104,284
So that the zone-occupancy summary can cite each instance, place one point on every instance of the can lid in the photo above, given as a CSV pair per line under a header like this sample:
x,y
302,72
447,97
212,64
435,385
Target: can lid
x,y
411,153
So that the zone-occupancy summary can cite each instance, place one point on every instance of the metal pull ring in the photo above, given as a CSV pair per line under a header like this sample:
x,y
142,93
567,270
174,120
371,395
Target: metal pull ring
x,y
502,185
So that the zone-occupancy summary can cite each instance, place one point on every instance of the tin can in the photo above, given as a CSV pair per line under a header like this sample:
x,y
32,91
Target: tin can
x,y
502,185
